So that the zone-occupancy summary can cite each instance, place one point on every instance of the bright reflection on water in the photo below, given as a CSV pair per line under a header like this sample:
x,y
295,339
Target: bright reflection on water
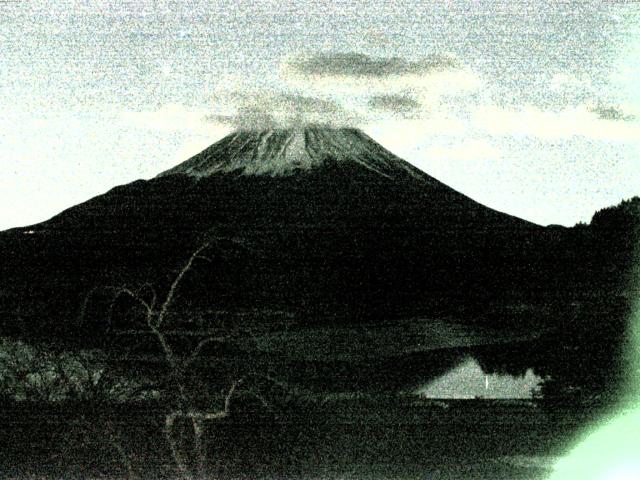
x,y
468,380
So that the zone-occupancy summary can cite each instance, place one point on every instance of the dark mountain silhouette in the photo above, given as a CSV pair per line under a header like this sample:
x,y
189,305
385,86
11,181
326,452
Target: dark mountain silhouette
x,y
311,228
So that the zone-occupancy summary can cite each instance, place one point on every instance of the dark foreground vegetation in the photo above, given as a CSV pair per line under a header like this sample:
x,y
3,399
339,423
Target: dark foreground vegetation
x,y
372,438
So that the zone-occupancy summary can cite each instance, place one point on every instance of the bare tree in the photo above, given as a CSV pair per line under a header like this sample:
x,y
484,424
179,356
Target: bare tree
x,y
155,312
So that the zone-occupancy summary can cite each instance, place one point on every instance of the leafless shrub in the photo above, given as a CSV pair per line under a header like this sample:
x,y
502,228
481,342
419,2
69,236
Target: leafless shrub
x,y
155,311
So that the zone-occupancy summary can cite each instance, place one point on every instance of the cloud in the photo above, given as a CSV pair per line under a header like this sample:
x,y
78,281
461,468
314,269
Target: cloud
x,y
264,109
374,84
465,150
611,113
565,89
359,65
344,89
532,121
169,118
396,103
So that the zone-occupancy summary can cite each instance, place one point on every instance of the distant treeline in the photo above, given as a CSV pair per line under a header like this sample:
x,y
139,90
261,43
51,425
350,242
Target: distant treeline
x,y
585,354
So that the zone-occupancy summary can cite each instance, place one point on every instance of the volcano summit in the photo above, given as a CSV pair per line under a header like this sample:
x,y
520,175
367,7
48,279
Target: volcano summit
x,y
289,151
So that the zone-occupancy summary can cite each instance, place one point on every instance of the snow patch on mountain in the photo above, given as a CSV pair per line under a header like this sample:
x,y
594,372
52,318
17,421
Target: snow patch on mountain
x,y
278,152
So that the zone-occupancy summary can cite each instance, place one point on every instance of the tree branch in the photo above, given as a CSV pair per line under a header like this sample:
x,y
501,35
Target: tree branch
x,y
227,400
181,464
176,282
117,445
125,291
166,348
201,344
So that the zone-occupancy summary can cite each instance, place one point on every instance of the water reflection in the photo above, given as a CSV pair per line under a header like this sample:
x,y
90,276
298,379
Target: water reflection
x,y
468,380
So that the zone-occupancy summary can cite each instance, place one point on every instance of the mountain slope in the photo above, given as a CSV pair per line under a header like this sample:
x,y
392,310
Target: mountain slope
x,y
324,224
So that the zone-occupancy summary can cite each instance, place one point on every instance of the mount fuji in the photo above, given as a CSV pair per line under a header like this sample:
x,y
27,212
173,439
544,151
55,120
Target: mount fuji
x,y
317,235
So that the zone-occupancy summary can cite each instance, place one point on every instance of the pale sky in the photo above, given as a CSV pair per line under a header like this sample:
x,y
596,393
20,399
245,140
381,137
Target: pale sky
x,y
532,108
